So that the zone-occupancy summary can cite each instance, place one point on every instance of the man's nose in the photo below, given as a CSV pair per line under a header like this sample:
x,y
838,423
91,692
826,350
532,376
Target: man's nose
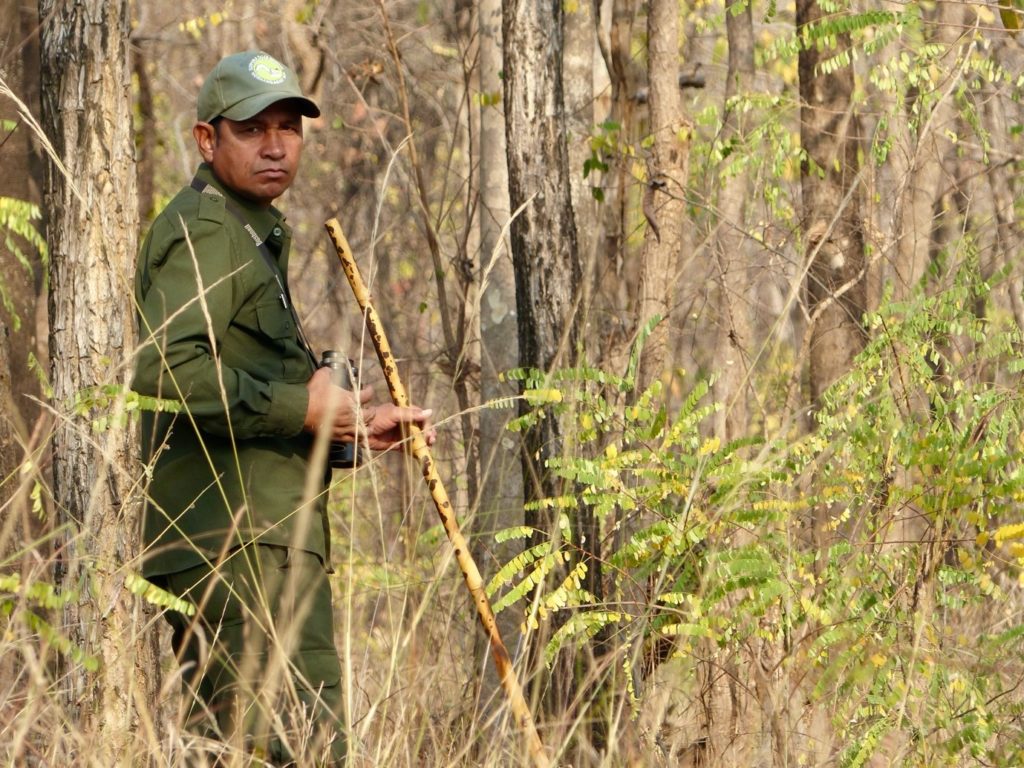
x,y
273,145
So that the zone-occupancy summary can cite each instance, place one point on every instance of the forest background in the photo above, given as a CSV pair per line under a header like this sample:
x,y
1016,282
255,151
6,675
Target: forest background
x,y
719,305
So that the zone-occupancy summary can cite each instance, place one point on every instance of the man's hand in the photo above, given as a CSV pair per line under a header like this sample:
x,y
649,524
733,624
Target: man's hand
x,y
388,425
332,408
337,410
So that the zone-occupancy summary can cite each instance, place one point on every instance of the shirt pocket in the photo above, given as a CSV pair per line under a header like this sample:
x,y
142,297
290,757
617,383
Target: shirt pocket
x,y
274,320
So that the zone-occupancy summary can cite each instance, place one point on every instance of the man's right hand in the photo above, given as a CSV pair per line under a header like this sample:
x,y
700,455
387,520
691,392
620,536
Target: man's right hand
x,y
334,409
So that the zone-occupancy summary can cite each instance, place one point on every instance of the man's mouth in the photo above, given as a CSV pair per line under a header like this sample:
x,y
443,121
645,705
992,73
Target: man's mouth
x,y
273,173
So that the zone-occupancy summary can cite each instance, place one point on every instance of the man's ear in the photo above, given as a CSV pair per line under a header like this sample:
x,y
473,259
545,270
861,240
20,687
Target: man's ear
x,y
206,139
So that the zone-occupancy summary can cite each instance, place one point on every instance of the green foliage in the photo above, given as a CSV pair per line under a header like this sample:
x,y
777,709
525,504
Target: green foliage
x,y
154,595
110,405
604,146
27,605
24,603
19,232
915,476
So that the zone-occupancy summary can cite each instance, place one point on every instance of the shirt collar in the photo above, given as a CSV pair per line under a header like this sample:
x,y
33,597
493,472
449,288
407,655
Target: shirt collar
x,y
263,220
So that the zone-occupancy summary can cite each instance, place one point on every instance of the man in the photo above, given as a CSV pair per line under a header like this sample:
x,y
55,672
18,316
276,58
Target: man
x,y
235,521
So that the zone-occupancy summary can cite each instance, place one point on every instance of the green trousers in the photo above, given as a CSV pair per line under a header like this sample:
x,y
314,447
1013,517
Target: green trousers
x,y
260,663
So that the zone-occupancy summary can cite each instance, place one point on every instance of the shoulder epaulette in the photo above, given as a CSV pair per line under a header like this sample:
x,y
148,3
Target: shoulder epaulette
x,y
211,207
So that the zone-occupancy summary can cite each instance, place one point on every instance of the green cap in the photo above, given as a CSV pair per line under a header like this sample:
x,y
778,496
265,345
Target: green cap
x,y
244,84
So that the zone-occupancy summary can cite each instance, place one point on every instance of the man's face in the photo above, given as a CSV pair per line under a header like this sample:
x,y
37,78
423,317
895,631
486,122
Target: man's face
x,y
255,158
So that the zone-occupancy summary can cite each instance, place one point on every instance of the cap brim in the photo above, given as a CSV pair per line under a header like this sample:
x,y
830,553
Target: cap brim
x,y
253,105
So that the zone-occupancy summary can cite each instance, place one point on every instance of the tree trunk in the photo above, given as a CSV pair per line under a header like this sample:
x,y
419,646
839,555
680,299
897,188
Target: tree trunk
x,y
1002,188
923,159
830,135
500,504
147,137
613,274
734,334
544,252
544,248
19,67
92,234
664,201
578,76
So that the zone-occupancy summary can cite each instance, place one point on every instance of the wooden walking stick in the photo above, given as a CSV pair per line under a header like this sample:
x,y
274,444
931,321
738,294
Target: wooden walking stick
x,y
502,661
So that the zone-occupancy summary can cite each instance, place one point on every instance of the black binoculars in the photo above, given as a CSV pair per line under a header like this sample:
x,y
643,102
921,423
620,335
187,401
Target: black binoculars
x,y
345,375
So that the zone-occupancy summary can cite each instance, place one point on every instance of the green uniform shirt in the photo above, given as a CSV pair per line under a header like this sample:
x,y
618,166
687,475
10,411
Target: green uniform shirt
x,y
217,335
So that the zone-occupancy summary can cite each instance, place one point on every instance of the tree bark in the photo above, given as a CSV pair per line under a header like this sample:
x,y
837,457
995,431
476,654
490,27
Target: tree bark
x,y
92,232
19,67
147,137
921,163
545,256
500,504
830,135
664,201
614,275
578,76
544,248
734,332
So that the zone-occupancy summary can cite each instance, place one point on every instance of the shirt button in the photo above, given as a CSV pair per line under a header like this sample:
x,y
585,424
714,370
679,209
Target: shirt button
x,y
277,232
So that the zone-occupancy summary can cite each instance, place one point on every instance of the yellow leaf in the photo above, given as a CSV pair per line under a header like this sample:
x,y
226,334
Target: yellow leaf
x,y
539,396
1007,532
1010,16
710,446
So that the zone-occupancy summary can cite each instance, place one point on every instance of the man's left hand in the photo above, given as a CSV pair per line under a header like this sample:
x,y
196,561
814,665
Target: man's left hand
x,y
387,425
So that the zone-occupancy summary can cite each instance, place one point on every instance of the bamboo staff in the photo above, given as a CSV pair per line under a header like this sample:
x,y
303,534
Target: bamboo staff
x,y
502,661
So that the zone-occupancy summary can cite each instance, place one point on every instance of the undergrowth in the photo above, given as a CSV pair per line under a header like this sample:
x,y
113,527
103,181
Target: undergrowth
x,y
874,563
865,575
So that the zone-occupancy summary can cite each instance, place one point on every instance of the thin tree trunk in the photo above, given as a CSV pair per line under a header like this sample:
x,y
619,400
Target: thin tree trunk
x,y
19,67
664,201
830,135
578,76
1001,186
306,52
92,234
147,138
926,147
734,345
500,504
578,69
544,249
613,274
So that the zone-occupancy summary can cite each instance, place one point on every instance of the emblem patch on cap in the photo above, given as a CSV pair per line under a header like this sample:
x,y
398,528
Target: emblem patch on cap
x,y
267,69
